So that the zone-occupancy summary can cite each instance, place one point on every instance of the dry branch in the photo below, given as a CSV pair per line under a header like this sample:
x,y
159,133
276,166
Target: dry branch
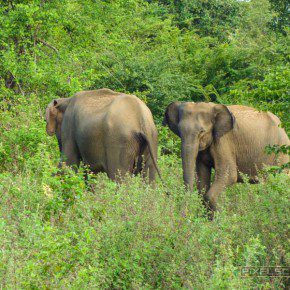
x,y
47,44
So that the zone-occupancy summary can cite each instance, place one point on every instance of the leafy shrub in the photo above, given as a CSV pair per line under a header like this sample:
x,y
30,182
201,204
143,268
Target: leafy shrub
x,y
59,231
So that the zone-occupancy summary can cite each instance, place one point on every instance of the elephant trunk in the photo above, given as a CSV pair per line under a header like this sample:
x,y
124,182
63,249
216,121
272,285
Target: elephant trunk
x,y
189,151
50,129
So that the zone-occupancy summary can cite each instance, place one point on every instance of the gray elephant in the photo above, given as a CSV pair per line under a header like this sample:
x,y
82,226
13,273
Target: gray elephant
x,y
230,139
111,132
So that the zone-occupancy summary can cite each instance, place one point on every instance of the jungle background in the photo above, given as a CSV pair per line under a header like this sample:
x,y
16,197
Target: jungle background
x,y
58,231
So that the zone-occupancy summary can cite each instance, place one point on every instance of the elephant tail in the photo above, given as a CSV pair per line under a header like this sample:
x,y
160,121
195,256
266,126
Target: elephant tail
x,y
149,144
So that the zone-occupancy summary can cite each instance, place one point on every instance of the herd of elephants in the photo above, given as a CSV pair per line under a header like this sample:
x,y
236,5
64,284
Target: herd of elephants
x,y
115,133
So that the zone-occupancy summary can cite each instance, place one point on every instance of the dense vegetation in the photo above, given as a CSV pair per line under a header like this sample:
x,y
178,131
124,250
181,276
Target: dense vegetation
x,y
57,231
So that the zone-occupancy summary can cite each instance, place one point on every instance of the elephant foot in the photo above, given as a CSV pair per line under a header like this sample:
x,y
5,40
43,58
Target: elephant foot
x,y
210,205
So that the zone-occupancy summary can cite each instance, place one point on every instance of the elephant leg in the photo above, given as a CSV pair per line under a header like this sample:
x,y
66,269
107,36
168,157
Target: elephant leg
x,y
70,155
224,176
120,162
152,173
203,177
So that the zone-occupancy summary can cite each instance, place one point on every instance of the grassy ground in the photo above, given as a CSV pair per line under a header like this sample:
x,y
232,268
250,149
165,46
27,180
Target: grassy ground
x,y
58,232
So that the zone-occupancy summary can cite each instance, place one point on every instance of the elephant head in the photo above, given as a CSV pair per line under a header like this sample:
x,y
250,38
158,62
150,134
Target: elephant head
x,y
198,125
54,115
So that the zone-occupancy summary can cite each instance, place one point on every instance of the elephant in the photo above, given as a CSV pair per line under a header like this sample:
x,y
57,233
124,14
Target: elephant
x,y
111,132
230,139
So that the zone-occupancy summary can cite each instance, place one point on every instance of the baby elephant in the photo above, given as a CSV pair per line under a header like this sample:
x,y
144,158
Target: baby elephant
x,y
230,139
110,131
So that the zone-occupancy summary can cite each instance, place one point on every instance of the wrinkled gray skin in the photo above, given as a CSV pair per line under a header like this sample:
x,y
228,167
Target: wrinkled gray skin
x,y
229,139
111,132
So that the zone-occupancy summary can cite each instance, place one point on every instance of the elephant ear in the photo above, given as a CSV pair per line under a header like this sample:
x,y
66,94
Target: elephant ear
x,y
53,115
223,120
171,117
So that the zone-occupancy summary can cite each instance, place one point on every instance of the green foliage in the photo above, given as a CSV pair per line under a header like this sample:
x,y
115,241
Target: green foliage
x,y
217,18
162,50
22,133
60,232
270,94
276,149
65,232
281,19
279,149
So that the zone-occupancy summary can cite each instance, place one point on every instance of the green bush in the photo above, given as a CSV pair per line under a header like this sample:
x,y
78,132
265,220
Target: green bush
x,y
58,232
